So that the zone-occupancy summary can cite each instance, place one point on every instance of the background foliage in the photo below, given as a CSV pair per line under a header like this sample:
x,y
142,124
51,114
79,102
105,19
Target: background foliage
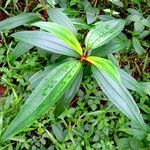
x,y
91,122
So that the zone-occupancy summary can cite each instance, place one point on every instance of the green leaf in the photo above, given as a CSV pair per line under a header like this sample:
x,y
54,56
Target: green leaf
x,y
57,131
117,2
91,12
1,122
18,20
79,23
105,17
45,41
52,2
46,94
145,108
106,66
113,59
62,33
38,76
139,134
129,82
61,18
138,26
144,34
119,43
146,87
119,96
134,12
103,32
137,46
64,102
145,22
134,17
20,49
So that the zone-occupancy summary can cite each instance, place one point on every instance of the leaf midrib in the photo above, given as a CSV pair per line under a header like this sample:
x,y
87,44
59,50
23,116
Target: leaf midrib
x,y
17,19
121,97
71,25
42,101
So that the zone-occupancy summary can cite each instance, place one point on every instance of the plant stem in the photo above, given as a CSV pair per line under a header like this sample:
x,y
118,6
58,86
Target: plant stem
x,y
84,56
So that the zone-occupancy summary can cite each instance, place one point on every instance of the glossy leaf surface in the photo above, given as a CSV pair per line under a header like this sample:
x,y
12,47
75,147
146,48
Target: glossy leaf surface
x,y
119,43
103,32
18,20
137,46
106,66
62,33
45,41
61,18
117,2
80,24
38,76
64,102
91,12
146,87
129,82
46,94
20,49
119,96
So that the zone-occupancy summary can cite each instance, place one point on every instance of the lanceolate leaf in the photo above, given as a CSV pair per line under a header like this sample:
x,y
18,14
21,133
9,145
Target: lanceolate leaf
x,y
113,59
61,32
103,32
91,12
119,43
117,2
61,18
79,24
35,79
126,79
52,2
18,20
64,102
46,94
146,87
38,76
20,49
45,41
129,82
119,96
106,66
137,46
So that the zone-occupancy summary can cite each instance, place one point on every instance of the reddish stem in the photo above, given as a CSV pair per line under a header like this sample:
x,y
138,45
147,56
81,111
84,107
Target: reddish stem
x,y
45,11
84,56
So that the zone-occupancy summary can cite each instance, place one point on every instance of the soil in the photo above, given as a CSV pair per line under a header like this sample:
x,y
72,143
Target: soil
x,y
2,90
